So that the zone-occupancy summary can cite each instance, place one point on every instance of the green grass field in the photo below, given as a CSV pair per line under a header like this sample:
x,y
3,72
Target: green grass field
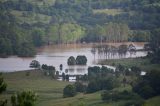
x,y
42,2
50,92
112,12
30,17
155,101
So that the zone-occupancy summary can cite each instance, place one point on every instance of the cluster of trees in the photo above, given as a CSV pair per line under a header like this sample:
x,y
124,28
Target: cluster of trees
x,y
74,21
154,46
65,77
80,60
65,33
25,98
49,71
103,78
3,87
131,97
110,51
71,90
148,85
35,64
111,32
12,38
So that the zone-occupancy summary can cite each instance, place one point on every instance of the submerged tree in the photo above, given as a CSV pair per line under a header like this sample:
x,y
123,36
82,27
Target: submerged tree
x,y
71,61
35,64
132,49
81,60
122,50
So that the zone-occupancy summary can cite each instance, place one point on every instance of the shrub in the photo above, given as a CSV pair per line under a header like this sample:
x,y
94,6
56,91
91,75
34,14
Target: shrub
x,y
106,95
69,91
3,85
136,70
25,98
93,86
80,87
34,64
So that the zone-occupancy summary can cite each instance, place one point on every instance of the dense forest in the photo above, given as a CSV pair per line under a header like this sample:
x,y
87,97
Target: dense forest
x,y
28,24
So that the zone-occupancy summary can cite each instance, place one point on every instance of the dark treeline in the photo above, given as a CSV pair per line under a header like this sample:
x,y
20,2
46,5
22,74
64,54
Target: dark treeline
x,y
73,21
108,81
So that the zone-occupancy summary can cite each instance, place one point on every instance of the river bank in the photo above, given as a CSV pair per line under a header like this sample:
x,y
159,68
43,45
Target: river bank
x,y
143,63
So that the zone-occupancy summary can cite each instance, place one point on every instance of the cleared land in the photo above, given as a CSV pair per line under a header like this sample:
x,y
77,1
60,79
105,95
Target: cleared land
x,y
108,11
50,91
30,17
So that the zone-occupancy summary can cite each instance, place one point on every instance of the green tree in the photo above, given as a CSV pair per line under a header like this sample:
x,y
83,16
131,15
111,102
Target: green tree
x,y
25,98
67,77
81,60
65,33
69,91
80,87
3,85
37,37
122,50
6,47
148,85
93,86
71,61
35,64
154,45
61,67
26,49
136,70
63,76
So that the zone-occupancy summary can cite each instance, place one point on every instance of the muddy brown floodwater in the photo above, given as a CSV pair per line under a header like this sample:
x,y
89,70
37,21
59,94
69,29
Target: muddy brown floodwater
x,y
58,54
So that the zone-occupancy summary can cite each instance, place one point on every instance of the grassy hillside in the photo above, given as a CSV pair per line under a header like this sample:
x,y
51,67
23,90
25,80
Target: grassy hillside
x,y
50,91
155,101
46,88
41,2
112,12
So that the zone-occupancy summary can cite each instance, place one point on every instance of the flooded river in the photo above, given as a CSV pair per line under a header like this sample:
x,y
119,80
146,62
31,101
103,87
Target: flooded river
x,y
58,54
